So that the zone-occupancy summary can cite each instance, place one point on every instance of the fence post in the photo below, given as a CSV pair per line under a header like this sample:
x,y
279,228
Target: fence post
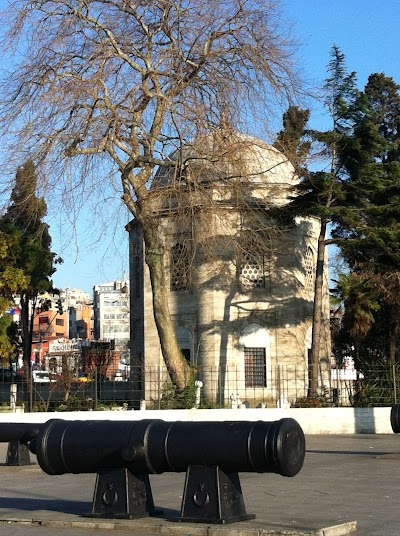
x,y
159,386
30,385
13,397
278,382
220,384
96,395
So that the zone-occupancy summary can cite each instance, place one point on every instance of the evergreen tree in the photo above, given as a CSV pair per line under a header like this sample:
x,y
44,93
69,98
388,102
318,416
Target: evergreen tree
x,y
292,141
28,251
320,193
372,161
11,279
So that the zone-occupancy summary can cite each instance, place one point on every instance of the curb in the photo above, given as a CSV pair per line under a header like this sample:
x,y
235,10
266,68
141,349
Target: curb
x,y
185,529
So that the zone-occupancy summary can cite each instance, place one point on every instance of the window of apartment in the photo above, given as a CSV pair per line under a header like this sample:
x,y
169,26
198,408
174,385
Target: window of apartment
x,y
180,267
44,320
59,321
255,367
309,269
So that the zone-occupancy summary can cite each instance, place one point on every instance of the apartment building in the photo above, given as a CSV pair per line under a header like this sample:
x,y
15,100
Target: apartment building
x,y
80,312
50,323
111,314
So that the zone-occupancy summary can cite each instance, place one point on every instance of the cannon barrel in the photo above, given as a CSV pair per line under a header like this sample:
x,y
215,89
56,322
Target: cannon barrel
x,y
22,432
156,446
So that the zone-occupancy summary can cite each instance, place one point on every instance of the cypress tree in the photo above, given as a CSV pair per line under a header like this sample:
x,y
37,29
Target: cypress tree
x,y
29,253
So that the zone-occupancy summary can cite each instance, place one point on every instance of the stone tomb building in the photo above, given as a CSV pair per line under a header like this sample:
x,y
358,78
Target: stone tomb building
x,y
241,287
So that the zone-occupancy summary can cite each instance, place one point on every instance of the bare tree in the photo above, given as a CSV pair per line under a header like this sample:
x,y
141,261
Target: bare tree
x,y
122,84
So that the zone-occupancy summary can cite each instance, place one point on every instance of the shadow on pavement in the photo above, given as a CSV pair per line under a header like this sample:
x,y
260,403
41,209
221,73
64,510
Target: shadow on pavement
x,y
373,453
52,505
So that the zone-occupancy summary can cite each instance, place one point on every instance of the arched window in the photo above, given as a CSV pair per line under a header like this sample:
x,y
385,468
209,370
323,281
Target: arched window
x,y
309,269
180,267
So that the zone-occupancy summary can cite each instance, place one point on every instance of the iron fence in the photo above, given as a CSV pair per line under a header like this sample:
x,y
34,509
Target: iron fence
x,y
282,386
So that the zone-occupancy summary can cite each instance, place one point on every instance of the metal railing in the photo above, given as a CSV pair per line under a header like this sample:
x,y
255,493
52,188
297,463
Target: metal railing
x,y
284,386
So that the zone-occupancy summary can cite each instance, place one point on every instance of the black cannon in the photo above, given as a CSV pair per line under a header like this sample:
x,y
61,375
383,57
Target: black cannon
x,y
124,453
395,418
18,436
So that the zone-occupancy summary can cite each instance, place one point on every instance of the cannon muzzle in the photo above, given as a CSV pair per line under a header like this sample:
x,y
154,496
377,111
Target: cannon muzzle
x,y
395,418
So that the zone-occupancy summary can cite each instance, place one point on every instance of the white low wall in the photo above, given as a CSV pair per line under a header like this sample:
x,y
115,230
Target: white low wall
x,y
312,420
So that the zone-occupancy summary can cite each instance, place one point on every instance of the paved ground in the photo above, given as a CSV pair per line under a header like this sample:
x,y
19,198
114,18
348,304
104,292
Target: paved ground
x,y
344,479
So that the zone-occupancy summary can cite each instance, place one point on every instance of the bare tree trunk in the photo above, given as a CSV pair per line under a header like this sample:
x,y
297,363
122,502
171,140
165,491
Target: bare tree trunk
x,y
317,314
176,364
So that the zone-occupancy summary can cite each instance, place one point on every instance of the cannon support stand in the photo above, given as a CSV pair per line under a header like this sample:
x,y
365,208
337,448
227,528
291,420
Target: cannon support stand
x,y
120,494
212,496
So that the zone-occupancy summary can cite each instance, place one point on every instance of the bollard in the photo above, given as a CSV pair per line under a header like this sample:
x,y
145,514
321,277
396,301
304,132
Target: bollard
x,y
13,397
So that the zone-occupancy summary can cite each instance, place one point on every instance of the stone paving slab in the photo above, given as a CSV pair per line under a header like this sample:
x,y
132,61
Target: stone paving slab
x,y
146,528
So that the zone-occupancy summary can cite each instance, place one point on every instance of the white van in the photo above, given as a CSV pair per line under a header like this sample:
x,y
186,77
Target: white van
x,y
41,376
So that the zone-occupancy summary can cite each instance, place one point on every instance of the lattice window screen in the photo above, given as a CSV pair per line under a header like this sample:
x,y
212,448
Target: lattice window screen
x,y
180,267
309,269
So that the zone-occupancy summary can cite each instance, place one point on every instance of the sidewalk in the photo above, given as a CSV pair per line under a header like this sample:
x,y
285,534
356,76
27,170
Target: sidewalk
x,y
344,479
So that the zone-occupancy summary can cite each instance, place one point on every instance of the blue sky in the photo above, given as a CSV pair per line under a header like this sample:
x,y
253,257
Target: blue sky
x,y
367,32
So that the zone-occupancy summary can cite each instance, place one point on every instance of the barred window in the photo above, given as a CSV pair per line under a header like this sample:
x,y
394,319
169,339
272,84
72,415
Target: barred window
x,y
180,267
255,369
309,269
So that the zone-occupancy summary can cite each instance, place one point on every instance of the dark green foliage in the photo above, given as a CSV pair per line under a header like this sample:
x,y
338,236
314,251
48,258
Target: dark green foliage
x,y
320,193
358,295
375,385
24,217
341,92
292,140
28,250
171,398
368,228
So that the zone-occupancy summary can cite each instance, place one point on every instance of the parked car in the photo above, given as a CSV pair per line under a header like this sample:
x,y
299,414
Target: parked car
x,y
41,376
5,374
83,377
119,376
